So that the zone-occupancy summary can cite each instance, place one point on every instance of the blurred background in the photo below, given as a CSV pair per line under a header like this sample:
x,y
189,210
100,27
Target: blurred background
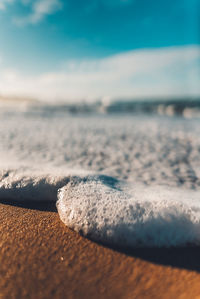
x,y
99,52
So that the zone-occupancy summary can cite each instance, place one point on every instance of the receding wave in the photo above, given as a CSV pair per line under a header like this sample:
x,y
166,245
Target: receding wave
x,y
130,216
120,180
111,211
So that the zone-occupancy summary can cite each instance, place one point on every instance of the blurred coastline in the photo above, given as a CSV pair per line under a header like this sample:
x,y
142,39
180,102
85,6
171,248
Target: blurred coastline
x,y
187,107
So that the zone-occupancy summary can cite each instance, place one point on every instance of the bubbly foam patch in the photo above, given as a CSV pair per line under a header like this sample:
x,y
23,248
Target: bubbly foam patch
x,y
32,184
105,210
23,186
135,213
111,211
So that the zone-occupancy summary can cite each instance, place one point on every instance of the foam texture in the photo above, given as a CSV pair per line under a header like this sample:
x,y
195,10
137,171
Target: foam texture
x,y
116,181
106,211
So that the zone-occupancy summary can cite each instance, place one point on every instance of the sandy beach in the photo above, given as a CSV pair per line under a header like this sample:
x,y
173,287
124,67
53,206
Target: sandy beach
x,y
41,258
99,149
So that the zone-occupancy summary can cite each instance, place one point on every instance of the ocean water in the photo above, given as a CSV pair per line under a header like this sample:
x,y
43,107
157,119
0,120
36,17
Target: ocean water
x,y
123,179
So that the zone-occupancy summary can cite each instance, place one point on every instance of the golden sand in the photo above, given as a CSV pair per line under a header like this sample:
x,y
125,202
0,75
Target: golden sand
x,y
41,258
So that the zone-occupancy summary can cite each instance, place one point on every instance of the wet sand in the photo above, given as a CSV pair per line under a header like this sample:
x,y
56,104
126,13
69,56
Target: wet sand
x,y
41,258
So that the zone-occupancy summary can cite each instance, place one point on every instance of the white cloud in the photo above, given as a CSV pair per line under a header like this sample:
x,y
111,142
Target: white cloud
x,y
39,9
143,73
4,3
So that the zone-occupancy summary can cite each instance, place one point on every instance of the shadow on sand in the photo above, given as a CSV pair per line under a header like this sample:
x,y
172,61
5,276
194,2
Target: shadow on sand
x,y
180,257
49,206
187,257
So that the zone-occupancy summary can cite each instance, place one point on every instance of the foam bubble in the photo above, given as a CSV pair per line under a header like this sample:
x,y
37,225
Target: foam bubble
x,y
22,185
109,212
138,213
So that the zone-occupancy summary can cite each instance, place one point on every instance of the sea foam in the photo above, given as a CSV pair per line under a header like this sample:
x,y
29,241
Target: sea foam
x,y
130,216
110,211
114,181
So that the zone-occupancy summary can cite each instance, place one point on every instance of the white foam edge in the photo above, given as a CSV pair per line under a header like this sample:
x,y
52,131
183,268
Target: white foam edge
x,y
137,216
109,211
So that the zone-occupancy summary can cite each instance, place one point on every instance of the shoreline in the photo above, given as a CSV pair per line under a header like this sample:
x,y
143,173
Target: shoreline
x,y
41,258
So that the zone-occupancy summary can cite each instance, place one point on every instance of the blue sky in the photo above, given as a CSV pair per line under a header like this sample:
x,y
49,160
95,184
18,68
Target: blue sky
x,y
55,38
